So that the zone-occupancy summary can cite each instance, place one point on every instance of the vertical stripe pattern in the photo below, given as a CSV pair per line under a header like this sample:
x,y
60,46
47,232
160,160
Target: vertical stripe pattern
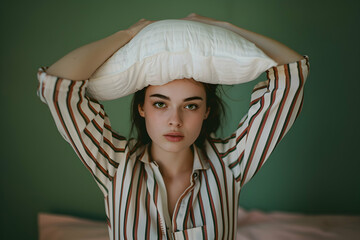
x,y
134,191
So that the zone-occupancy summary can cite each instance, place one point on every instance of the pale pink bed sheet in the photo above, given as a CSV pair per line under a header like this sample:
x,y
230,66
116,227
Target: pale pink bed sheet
x,y
252,225
256,225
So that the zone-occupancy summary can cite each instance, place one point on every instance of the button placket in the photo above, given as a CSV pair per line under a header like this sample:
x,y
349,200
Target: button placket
x,y
165,218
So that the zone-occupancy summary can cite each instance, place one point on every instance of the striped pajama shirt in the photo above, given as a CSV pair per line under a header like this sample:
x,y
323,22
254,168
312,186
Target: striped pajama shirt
x,y
133,188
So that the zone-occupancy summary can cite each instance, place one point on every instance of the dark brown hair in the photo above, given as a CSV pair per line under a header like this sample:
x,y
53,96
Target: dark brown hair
x,y
210,125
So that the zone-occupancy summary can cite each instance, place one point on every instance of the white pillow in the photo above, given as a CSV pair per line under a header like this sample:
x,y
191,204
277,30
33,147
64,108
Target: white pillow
x,y
175,49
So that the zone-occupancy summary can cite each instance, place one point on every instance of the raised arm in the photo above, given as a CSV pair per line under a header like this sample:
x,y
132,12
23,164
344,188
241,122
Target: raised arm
x,y
275,105
82,62
274,49
82,121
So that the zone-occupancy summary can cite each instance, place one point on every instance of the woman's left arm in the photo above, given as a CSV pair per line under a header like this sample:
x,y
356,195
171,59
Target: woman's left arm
x,y
275,105
279,52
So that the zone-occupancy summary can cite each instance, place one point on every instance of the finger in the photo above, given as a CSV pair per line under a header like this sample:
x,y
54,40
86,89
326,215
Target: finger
x,y
191,15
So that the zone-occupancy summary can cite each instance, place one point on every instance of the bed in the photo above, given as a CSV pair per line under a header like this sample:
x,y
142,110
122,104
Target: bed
x,y
252,225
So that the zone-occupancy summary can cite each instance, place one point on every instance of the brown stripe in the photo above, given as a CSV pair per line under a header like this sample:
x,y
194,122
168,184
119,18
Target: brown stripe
x,y
112,146
102,115
212,205
101,150
137,207
220,190
113,134
114,194
202,213
278,115
238,139
122,187
129,195
87,120
258,88
148,196
42,90
221,161
300,108
248,164
186,235
226,140
302,84
178,205
99,166
90,106
188,211
255,100
160,230
237,162
290,113
108,210
219,140
108,222
234,212
192,215
55,99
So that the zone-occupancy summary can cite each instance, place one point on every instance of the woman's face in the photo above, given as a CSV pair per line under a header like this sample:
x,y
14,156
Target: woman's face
x,y
174,114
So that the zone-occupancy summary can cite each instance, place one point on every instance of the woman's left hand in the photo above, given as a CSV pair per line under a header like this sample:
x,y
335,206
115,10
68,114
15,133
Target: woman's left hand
x,y
207,20
279,52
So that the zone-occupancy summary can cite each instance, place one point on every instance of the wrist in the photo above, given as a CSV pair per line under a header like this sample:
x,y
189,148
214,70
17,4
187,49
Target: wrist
x,y
229,26
127,32
123,34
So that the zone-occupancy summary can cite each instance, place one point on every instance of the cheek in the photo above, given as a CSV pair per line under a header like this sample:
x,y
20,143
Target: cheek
x,y
153,122
196,121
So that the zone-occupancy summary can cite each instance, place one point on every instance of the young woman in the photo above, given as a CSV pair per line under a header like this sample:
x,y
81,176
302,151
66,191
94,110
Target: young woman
x,y
174,181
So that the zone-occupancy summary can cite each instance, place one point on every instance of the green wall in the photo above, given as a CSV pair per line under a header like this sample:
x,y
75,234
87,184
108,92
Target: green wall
x,y
313,170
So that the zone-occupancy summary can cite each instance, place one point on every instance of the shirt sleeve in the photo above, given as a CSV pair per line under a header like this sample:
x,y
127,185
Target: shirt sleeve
x,y
275,105
84,125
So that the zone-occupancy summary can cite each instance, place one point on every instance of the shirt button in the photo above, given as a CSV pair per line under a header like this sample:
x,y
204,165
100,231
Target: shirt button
x,y
195,175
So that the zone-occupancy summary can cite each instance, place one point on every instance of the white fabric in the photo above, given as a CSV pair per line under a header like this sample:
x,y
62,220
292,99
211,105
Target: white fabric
x,y
176,49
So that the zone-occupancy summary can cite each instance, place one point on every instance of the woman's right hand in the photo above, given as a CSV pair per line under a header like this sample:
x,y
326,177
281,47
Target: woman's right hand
x,y
137,27
82,62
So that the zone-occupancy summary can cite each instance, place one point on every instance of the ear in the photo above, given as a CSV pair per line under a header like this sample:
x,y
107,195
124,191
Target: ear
x,y
141,111
207,113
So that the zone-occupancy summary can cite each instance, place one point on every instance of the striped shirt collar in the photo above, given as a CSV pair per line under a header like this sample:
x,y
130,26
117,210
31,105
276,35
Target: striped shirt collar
x,y
200,159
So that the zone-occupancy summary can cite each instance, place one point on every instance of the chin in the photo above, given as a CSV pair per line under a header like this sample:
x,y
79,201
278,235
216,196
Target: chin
x,y
174,147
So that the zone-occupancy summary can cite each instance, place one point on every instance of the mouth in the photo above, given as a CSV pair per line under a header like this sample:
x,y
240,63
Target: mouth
x,y
174,137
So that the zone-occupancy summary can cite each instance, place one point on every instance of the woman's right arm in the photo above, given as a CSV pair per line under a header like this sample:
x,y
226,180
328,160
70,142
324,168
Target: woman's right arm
x,y
82,121
82,62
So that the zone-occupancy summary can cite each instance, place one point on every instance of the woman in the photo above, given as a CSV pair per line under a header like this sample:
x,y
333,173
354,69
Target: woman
x,y
175,181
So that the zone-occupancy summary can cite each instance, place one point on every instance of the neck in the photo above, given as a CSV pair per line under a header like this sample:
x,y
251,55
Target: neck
x,y
172,164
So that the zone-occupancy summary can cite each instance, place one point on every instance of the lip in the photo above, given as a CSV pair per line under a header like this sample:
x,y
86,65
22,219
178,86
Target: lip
x,y
174,136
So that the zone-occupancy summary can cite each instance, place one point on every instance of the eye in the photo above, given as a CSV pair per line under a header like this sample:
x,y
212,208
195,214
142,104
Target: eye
x,y
159,104
192,106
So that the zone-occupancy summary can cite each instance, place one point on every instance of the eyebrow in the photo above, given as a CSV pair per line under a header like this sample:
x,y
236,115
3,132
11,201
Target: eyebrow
x,y
185,100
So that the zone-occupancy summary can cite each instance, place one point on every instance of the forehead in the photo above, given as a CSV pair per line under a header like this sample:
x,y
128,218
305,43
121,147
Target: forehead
x,y
186,87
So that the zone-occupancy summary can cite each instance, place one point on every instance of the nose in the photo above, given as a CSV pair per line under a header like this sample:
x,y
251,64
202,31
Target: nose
x,y
175,118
